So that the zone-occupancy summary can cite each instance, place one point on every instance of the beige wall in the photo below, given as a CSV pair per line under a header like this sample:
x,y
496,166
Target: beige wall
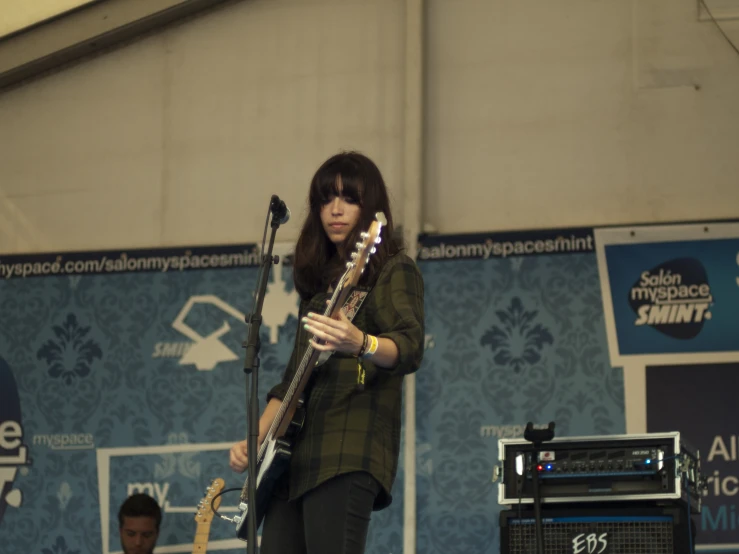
x,y
537,114
181,138
579,113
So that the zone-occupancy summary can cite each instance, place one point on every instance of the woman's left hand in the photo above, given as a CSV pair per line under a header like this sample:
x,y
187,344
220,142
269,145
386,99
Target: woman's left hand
x,y
339,335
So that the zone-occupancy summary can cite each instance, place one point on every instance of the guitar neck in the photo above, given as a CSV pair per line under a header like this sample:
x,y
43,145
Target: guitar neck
x,y
350,278
200,542
303,373
292,396
204,515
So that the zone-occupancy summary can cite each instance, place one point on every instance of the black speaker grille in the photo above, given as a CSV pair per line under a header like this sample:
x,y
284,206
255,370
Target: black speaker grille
x,y
653,535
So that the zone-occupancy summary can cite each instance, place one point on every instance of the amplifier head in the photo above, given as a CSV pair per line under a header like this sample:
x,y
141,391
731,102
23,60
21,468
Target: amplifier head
x,y
650,467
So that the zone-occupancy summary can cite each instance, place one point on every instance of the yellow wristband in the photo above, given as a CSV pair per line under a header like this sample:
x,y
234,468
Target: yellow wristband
x,y
372,344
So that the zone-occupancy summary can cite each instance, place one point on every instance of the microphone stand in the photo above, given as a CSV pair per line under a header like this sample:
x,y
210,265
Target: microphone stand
x,y
536,437
251,366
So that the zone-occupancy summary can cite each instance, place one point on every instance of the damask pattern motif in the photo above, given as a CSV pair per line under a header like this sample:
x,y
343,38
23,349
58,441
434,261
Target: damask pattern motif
x,y
518,340
59,547
70,356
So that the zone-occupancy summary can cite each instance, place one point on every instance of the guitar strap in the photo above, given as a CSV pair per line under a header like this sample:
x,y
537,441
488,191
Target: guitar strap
x,y
353,302
350,308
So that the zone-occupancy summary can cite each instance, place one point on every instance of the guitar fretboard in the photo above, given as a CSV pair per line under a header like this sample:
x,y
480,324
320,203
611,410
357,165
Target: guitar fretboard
x,y
200,542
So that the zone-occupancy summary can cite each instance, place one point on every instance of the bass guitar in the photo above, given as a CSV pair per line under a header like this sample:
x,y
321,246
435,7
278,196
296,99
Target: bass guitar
x,y
274,454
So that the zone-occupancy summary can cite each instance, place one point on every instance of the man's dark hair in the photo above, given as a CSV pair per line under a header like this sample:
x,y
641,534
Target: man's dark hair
x,y
140,505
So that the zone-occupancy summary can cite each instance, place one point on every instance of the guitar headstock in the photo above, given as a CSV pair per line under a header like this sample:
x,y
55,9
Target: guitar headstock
x,y
205,509
364,249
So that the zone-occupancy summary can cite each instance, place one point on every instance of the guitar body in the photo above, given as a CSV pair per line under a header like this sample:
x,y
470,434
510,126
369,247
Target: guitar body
x,y
272,466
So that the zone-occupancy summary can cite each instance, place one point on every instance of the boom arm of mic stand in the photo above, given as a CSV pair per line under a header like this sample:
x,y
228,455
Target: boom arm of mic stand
x,y
251,365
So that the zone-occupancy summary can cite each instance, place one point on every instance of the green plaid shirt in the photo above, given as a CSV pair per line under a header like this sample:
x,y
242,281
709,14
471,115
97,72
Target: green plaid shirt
x,y
350,428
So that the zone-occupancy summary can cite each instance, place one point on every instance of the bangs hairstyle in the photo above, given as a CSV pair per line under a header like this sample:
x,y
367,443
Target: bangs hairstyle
x,y
317,264
325,185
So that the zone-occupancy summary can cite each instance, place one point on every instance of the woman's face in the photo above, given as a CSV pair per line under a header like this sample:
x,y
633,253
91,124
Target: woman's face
x,y
339,216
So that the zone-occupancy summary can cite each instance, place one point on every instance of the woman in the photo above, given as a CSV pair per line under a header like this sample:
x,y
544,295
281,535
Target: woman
x,y
345,458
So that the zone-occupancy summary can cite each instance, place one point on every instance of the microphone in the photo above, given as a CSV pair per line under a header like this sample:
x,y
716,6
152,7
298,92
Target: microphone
x,y
279,209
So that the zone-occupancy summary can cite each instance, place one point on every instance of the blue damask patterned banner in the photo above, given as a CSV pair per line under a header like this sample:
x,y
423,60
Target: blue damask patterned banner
x,y
512,338
128,372
123,372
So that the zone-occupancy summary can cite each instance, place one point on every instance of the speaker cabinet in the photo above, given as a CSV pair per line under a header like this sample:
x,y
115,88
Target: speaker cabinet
x,y
599,529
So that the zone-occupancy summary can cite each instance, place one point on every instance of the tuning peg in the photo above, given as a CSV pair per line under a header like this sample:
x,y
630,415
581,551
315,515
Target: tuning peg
x,y
364,234
378,240
349,265
359,245
373,250
354,255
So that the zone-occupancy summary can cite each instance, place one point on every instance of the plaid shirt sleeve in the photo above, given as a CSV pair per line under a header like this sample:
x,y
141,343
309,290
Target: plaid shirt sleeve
x,y
400,316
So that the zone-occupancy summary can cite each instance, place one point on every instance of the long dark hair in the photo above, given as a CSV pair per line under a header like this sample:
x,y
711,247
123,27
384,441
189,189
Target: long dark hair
x,y
317,263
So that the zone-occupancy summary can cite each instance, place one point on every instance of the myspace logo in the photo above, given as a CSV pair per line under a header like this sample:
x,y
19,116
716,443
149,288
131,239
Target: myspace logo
x,y
675,298
205,352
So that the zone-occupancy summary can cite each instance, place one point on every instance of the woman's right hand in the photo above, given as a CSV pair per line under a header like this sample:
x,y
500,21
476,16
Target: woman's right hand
x,y
237,458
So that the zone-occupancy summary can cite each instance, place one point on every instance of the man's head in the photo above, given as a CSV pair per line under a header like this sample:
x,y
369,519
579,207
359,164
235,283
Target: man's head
x,y
138,522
